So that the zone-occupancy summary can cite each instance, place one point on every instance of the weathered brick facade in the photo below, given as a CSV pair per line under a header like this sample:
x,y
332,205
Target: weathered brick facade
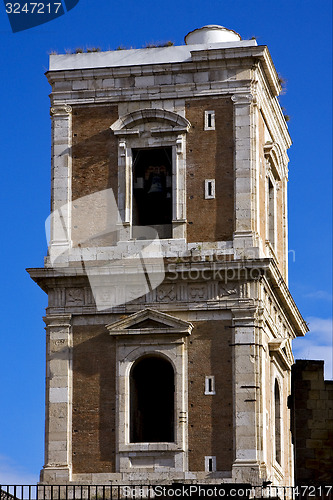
x,y
213,220
95,150
195,133
210,417
94,400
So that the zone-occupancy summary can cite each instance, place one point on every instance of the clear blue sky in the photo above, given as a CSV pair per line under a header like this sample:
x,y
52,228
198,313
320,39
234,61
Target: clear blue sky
x,y
299,36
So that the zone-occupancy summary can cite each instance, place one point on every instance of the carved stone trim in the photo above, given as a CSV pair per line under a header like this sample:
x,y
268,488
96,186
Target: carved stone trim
x,y
61,110
274,159
123,124
169,324
242,98
280,348
58,320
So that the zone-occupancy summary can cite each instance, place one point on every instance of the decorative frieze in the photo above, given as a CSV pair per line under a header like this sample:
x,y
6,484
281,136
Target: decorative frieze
x,y
179,292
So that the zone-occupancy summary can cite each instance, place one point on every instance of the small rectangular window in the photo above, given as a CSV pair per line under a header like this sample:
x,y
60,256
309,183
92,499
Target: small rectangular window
x,y
210,384
209,189
209,120
210,464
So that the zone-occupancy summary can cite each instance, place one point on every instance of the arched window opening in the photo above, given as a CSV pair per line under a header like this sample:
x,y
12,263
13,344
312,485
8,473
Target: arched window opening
x,y
152,401
277,418
152,189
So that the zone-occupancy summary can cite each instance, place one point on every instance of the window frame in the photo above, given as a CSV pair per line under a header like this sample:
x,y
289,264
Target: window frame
x,y
209,119
210,385
209,189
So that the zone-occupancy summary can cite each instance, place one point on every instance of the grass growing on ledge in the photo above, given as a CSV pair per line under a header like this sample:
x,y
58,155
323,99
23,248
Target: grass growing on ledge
x,y
156,45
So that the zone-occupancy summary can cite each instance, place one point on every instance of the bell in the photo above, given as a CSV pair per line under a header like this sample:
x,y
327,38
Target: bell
x,y
156,185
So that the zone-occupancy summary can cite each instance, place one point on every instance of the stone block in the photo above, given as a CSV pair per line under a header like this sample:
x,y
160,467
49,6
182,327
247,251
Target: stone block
x,y
58,436
310,375
243,74
145,81
319,434
108,83
126,82
324,395
201,77
59,381
314,443
58,395
184,78
315,395
80,85
166,79
62,85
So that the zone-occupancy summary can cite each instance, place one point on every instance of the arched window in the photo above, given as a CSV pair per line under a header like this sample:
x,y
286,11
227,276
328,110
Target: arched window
x,y
152,401
277,419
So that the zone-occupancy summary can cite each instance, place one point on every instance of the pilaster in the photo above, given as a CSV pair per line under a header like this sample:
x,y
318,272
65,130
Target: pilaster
x,y
246,394
61,164
245,244
58,430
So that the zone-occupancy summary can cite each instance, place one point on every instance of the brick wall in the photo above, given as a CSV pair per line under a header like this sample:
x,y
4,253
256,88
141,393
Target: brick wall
x,y
94,389
210,416
209,155
95,150
312,423
95,158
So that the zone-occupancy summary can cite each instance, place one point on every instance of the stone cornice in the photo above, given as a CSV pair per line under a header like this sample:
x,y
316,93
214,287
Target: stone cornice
x,y
280,288
272,113
195,273
140,70
56,320
201,60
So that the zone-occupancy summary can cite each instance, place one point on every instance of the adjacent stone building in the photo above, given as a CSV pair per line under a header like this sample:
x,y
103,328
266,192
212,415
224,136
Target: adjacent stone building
x,y
169,322
312,423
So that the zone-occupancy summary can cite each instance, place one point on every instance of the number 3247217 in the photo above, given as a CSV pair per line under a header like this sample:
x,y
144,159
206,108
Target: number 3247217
x,y
33,8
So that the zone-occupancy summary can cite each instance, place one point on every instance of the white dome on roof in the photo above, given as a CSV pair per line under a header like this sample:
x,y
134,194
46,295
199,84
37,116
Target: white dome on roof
x,y
212,33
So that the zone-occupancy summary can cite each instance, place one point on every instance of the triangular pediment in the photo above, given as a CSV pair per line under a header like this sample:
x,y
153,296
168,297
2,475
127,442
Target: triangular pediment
x,y
147,323
150,322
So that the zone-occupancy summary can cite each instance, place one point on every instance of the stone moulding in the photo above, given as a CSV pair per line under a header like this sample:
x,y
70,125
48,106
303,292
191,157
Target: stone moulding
x,y
176,122
165,324
281,349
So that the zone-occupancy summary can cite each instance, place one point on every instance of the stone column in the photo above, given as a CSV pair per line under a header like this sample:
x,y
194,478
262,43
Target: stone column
x,y
58,431
244,168
246,393
125,181
61,177
178,189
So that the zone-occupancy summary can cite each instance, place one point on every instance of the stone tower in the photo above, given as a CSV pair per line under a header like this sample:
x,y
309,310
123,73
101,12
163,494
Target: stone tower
x,y
169,322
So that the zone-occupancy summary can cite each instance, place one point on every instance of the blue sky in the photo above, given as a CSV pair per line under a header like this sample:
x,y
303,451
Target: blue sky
x,y
299,36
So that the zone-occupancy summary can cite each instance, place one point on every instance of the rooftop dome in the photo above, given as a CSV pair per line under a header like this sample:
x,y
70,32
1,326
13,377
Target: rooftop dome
x,y
212,33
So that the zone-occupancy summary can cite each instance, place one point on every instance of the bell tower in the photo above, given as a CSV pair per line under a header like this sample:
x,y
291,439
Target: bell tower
x,y
169,322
